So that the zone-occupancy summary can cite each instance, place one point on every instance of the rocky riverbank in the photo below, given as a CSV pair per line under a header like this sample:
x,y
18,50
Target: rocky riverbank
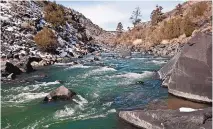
x,y
22,20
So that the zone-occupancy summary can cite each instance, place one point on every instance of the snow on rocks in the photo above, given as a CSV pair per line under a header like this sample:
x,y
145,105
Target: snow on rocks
x,y
63,54
18,29
10,28
61,41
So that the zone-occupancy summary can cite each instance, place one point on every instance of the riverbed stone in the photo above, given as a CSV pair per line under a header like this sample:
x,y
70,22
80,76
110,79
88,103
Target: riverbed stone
x,y
10,68
28,65
61,93
169,119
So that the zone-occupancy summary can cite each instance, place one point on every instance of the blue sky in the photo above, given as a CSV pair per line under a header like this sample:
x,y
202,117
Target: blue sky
x,y
107,14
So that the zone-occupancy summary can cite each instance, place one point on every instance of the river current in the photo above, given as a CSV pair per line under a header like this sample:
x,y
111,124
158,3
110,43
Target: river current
x,y
103,88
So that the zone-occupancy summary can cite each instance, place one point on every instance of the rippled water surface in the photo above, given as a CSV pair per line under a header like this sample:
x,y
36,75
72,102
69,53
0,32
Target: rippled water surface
x,y
103,88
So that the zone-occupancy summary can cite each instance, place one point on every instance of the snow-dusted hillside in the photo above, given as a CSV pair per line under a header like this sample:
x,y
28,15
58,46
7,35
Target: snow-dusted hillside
x,y
18,28
21,21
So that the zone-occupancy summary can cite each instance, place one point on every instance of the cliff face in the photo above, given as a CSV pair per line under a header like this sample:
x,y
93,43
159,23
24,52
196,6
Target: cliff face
x,y
175,29
21,21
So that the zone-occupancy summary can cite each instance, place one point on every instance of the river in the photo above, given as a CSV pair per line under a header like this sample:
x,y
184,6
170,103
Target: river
x,y
102,90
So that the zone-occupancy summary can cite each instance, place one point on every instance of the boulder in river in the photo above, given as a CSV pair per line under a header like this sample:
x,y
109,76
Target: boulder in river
x,y
189,73
61,93
28,65
96,58
10,68
169,119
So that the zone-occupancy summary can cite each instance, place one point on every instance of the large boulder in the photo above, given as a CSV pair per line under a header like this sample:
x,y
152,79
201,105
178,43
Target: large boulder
x,y
169,119
61,93
10,68
28,66
189,73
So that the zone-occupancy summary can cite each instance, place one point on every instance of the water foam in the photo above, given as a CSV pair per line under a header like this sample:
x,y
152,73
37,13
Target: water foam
x,y
135,58
100,70
134,75
78,66
82,100
157,62
64,113
111,111
33,87
108,104
25,97
63,64
95,95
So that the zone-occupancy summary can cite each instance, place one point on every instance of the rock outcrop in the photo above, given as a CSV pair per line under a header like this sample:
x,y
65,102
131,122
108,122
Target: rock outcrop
x,y
61,93
189,73
169,119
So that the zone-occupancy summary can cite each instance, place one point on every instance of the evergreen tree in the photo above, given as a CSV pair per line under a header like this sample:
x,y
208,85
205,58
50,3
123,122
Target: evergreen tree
x,y
119,29
136,16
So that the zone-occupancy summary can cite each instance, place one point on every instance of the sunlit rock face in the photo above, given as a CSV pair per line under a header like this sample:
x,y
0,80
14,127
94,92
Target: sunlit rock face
x,y
169,119
189,73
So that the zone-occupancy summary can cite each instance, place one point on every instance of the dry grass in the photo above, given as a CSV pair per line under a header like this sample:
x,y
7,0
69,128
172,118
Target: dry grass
x,y
169,28
177,26
55,14
46,40
198,9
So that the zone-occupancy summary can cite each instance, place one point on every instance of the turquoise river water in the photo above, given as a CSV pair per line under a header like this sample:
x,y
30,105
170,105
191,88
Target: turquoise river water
x,y
102,90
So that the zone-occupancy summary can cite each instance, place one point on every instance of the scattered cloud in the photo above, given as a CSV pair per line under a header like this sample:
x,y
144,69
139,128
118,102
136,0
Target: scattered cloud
x,y
103,15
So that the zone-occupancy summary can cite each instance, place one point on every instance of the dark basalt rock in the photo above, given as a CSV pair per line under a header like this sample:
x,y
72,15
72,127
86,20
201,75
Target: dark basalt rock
x,y
97,58
189,73
10,68
61,93
91,49
169,119
28,65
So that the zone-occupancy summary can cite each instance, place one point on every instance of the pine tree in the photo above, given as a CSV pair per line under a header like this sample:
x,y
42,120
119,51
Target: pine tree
x,y
119,29
136,16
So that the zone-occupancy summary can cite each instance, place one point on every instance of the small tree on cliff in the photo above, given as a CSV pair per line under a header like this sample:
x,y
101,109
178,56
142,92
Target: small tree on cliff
x,y
157,15
136,16
179,10
119,28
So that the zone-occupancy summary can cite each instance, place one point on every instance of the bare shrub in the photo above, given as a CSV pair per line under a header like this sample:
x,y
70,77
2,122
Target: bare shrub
x,y
55,14
46,40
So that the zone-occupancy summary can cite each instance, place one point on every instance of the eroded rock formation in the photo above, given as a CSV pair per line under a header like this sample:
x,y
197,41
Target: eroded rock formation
x,y
189,73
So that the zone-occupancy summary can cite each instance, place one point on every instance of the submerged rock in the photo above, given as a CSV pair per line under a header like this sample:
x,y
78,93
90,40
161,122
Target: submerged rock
x,y
169,119
61,93
96,58
189,73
